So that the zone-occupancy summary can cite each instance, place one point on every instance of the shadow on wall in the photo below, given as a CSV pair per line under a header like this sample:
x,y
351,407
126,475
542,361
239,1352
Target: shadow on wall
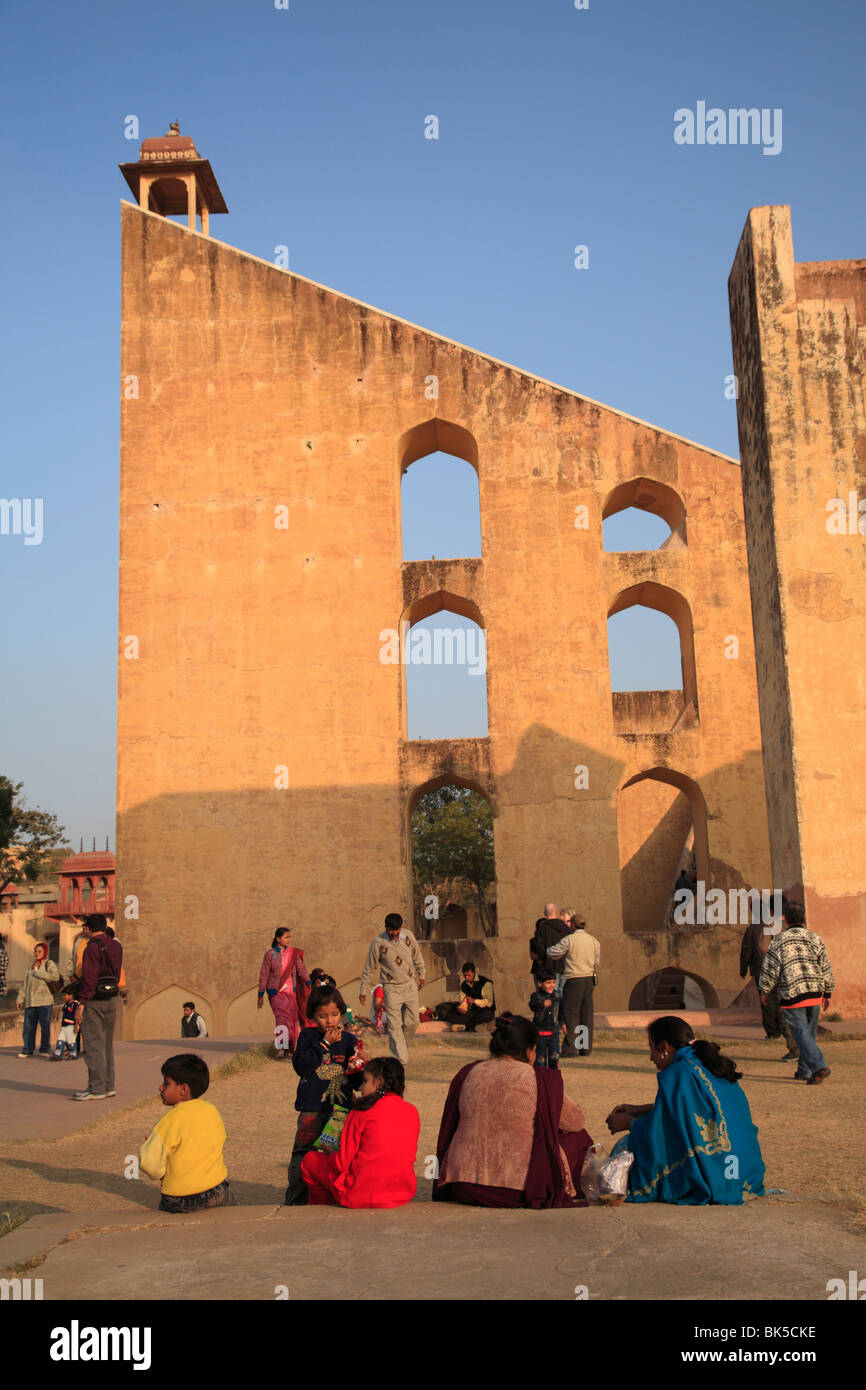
x,y
213,874
648,875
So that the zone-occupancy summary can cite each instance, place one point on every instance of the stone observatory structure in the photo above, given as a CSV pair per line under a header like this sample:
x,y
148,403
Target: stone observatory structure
x,y
265,776
799,333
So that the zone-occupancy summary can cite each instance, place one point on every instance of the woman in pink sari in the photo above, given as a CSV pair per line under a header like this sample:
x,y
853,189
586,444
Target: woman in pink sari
x,y
283,977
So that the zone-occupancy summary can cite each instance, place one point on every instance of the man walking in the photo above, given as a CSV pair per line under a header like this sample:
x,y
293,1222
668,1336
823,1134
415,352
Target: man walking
x,y
753,949
797,966
98,1005
395,962
581,953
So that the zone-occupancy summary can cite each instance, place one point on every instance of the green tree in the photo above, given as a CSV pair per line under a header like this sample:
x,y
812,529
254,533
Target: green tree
x,y
452,849
26,837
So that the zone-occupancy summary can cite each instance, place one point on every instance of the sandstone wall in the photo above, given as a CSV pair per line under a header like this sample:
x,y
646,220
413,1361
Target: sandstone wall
x,y
799,334
258,648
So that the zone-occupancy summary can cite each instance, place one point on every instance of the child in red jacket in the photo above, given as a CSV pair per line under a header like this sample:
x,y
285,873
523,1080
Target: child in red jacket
x,y
375,1163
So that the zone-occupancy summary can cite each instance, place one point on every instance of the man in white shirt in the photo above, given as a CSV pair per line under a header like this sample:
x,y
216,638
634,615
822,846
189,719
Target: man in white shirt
x,y
581,952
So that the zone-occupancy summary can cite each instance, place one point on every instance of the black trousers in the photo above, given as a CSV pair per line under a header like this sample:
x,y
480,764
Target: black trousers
x,y
576,1011
450,1013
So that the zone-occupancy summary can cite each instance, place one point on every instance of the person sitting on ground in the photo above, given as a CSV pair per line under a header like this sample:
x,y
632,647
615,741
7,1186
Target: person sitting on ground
x,y
545,1015
322,1059
192,1025
510,1137
185,1148
68,1040
374,1165
696,1143
477,1003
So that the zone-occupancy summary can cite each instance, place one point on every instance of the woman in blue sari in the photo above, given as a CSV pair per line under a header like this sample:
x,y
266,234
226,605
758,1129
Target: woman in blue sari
x,y
696,1144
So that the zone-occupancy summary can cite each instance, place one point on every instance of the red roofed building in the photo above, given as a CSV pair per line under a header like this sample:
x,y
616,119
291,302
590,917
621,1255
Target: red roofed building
x,y
86,885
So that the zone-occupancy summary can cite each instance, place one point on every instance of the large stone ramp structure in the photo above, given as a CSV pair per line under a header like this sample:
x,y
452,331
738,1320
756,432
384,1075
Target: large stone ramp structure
x,y
265,775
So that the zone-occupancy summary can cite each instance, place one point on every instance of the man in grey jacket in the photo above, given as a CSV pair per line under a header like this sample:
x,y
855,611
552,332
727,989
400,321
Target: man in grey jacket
x,y
395,962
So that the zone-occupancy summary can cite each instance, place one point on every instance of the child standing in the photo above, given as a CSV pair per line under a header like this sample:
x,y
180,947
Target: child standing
x,y
68,1037
185,1148
321,1058
545,1015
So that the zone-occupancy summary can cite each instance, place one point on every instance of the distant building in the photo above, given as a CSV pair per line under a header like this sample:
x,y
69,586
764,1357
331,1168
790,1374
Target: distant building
x,y
53,912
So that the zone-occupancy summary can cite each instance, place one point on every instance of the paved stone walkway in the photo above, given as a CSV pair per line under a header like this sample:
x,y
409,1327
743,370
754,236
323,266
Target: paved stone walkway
x,y
36,1095
777,1248
430,1252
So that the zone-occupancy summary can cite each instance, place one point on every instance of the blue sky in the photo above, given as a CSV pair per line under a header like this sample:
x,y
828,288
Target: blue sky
x,y
555,129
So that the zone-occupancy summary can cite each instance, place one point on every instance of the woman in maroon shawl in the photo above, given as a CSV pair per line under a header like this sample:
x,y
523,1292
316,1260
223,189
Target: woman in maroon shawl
x,y
283,977
510,1137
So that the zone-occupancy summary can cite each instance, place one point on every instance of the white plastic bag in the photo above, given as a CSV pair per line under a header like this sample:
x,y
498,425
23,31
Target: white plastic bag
x,y
604,1177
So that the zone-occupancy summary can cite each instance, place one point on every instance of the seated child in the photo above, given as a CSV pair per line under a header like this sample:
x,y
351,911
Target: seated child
x,y
544,1005
185,1148
374,1165
68,1037
322,1058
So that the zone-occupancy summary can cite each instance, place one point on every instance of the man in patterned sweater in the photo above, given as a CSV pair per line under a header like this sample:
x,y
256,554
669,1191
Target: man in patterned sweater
x,y
395,962
798,967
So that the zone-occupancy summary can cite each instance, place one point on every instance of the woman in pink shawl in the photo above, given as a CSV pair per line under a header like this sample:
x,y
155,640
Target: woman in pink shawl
x,y
510,1137
283,977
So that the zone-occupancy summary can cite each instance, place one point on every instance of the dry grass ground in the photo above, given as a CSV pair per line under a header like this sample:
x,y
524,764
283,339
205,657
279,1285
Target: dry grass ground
x,y
811,1136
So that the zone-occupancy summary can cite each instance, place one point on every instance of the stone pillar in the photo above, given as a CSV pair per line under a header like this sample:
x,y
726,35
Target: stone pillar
x,y
190,200
799,339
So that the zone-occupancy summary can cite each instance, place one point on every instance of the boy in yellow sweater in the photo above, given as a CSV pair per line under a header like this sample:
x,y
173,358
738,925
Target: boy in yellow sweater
x,y
185,1148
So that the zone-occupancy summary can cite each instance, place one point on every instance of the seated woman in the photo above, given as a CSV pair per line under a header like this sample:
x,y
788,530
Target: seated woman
x,y
477,1004
696,1144
375,1163
510,1137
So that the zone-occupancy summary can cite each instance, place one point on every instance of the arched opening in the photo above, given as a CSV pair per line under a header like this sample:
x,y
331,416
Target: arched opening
x,y
643,514
453,861
445,666
440,499
160,1014
101,890
243,1015
651,651
673,990
662,828
86,893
